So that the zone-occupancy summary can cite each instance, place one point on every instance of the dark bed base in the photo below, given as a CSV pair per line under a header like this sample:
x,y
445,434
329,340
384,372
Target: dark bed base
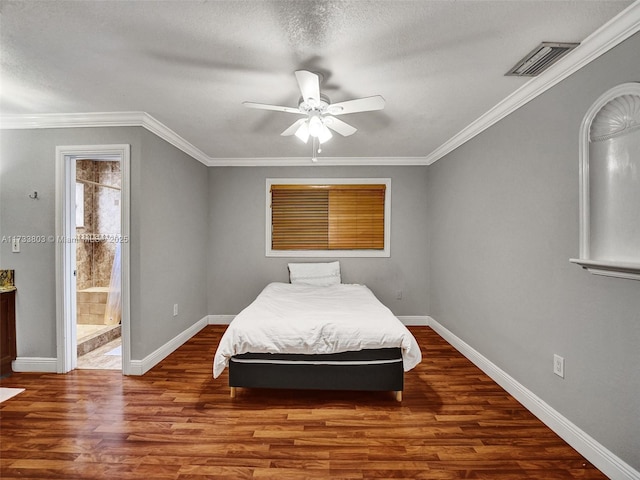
x,y
379,369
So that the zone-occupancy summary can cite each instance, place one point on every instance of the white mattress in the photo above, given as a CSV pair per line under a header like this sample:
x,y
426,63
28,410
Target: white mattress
x,y
305,319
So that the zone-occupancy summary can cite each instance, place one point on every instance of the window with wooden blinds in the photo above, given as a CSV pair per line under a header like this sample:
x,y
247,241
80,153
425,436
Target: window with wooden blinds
x,y
334,217
356,217
299,218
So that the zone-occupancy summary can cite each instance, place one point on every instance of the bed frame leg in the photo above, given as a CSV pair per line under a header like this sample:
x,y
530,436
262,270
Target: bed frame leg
x,y
399,396
233,392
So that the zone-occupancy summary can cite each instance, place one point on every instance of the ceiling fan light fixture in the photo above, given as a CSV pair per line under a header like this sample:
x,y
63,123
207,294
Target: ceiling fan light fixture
x,y
315,126
324,135
318,129
303,132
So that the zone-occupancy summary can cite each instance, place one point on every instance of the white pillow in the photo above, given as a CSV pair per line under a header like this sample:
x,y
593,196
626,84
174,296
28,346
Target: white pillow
x,y
319,274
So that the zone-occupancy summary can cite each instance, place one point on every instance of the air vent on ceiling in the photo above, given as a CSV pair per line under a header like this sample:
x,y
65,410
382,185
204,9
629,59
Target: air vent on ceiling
x,y
541,58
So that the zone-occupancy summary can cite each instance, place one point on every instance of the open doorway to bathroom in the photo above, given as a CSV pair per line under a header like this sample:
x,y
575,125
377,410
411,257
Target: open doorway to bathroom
x,y
92,257
98,263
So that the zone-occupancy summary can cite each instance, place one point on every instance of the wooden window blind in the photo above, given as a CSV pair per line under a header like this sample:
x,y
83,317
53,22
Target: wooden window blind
x,y
327,217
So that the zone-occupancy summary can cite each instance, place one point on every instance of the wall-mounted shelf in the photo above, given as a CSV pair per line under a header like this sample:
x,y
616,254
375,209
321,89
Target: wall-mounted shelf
x,y
611,269
610,184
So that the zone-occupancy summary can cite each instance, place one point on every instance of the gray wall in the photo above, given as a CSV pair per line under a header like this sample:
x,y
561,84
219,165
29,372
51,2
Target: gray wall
x,y
503,213
239,269
170,224
168,234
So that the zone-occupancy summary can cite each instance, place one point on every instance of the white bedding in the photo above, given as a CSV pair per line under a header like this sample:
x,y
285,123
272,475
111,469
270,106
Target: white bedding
x,y
288,318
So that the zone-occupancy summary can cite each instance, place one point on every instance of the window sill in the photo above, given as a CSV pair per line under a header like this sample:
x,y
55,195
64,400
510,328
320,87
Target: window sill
x,y
329,253
610,268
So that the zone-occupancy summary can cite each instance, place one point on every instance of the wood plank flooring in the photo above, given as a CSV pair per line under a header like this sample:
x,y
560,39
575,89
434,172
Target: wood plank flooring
x,y
178,423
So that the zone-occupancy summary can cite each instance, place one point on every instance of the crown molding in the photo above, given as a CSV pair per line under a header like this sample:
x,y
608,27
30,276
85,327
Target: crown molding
x,y
103,119
72,120
143,119
618,29
164,132
321,161
612,33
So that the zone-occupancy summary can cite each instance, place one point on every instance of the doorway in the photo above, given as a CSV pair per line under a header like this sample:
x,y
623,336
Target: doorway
x,y
98,257
92,252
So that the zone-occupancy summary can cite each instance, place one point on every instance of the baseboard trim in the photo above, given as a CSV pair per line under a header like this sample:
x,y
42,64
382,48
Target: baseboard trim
x,y
220,319
140,367
608,463
414,320
35,364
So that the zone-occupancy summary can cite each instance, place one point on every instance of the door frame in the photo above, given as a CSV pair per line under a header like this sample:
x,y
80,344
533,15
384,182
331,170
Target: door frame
x,y
65,249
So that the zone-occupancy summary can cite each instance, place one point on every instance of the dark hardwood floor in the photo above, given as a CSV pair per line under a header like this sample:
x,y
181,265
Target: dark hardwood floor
x,y
177,422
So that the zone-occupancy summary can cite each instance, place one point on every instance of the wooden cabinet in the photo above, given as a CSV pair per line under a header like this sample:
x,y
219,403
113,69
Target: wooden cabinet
x,y
7,331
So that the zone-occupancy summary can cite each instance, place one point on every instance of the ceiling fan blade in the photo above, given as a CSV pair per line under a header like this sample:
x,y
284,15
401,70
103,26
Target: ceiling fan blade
x,y
366,104
277,108
309,84
339,126
293,128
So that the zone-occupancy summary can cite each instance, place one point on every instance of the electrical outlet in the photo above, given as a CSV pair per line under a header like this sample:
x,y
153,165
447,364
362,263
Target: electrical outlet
x,y
558,365
399,295
175,309
15,245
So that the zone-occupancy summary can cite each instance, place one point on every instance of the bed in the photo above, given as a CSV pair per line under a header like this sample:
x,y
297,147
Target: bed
x,y
316,333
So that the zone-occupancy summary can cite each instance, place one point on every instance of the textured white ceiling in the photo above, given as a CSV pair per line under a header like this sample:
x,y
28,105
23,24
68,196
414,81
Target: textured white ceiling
x,y
190,64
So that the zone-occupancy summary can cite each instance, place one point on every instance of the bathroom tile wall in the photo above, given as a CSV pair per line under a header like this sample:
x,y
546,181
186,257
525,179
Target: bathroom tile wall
x,y
85,170
94,256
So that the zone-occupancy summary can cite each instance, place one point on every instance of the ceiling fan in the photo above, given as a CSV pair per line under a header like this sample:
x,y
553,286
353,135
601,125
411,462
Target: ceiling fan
x,y
319,113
